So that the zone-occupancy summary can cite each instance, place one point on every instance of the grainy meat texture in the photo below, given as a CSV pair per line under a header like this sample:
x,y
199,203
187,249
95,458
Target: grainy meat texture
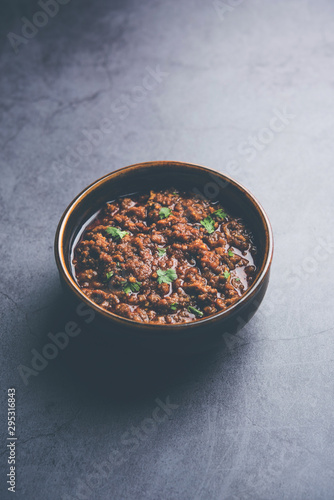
x,y
164,257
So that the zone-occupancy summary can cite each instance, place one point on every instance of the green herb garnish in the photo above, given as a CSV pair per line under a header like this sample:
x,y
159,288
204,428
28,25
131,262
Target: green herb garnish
x,y
109,275
209,224
227,274
164,212
237,279
173,306
130,286
116,233
220,213
230,253
166,276
161,252
195,311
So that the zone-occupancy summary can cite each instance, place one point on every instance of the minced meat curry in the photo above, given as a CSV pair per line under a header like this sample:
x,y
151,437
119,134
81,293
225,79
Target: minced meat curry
x,y
164,257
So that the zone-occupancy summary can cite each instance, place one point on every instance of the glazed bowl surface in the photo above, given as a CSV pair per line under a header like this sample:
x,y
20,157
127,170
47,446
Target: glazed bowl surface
x,y
159,175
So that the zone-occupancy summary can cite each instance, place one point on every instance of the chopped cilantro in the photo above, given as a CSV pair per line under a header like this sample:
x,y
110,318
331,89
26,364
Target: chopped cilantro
x,y
237,279
173,306
116,233
195,311
230,253
130,286
164,212
209,224
220,213
166,276
227,274
161,252
109,275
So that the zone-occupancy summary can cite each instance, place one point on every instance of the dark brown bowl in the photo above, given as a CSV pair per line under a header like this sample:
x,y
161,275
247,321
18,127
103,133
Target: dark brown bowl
x,y
144,176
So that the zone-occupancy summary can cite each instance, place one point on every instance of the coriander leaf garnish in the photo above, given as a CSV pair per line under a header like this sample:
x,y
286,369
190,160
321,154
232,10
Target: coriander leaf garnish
x,y
209,224
174,306
226,275
230,253
195,311
220,213
161,252
109,275
130,286
237,279
164,212
166,276
116,233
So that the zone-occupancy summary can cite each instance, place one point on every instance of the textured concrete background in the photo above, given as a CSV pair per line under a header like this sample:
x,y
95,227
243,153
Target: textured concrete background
x,y
254,420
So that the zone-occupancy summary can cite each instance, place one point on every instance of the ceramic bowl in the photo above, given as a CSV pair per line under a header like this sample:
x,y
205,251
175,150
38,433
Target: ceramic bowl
x,y
195,335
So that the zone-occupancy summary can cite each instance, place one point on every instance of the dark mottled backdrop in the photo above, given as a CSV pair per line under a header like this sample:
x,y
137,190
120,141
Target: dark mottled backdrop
x,y
246,87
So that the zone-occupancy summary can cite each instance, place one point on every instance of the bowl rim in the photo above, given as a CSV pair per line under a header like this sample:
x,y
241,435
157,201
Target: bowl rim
x,y
66,275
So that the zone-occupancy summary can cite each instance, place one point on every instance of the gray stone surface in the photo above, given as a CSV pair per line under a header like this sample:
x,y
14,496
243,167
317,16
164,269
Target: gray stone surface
x,y
254,418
